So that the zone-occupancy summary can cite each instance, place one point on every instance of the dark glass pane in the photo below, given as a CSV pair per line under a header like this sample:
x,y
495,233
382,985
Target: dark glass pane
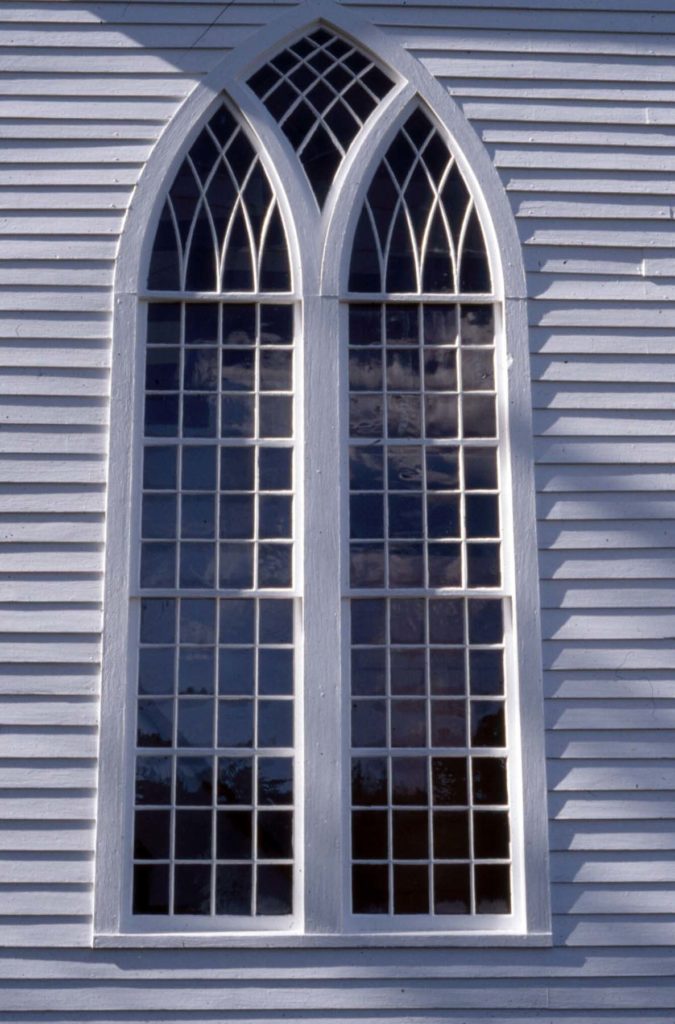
x,y
474,270
236,517
452,889
274,565
159,468
236,469
446,621
404,467
275,780
366,516
164,319
193,835
201,323
192,889
184,198
199,415
239,324
199,468
406,565
369,723
479,416
488,728
198,621
238,369
153,780
234,835
158,620
369,835
370,889
455,200
198,516
235,723
155,723
409,783
445,565
195,723
238,274
366,565
491,838
408,723
478,370
275,835
237,416
151,889
440,325
368,621
161,369
447,672
411,889
480,469
410,832
195,671
487,673
365,370
489,780
449,782
275,469
403,369
365,469
234,889
155,670
201,263
483,565
440,369
194,780
404,416
276,371
406,620
159,516
276,416
365,325
197,565
477,325
485,621
443,516
451,835
440,414
275,672
235,780
237,621
164,262
321,159
235,671
275,723
275,889
493,888
369,781
442,468
276,325
448,723
408,671
482,515
369,672
236,566
276,622
201,369
152,835
365,416
161,415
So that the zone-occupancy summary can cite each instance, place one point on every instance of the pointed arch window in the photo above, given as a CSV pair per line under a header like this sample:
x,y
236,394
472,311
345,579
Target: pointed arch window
x,y
323,713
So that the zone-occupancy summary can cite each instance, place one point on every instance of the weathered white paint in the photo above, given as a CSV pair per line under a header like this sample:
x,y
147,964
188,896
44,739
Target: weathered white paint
x,y
574,100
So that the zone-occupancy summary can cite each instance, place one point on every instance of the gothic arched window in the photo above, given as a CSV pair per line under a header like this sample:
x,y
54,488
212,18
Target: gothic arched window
x,y
323,663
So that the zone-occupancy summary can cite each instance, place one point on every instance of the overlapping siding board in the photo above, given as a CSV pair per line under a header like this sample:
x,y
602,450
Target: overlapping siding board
x,y
575,102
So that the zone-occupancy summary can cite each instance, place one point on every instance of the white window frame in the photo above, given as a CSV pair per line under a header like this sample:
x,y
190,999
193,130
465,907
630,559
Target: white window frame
x,y
320,259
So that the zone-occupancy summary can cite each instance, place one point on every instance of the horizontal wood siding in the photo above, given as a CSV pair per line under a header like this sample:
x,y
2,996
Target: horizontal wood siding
x,y
575,101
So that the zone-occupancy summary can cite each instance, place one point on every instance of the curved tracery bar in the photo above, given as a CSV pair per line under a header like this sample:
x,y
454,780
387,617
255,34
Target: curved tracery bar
x,y
220,228
418,230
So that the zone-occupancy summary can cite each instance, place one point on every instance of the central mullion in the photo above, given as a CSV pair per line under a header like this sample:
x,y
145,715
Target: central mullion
x,y
324,710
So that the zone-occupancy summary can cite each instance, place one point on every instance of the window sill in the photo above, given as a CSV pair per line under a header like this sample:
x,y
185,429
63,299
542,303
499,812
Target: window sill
x,y
275,940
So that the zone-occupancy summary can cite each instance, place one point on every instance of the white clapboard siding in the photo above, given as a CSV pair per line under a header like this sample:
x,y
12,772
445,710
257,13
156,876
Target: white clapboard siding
x,y
575,102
